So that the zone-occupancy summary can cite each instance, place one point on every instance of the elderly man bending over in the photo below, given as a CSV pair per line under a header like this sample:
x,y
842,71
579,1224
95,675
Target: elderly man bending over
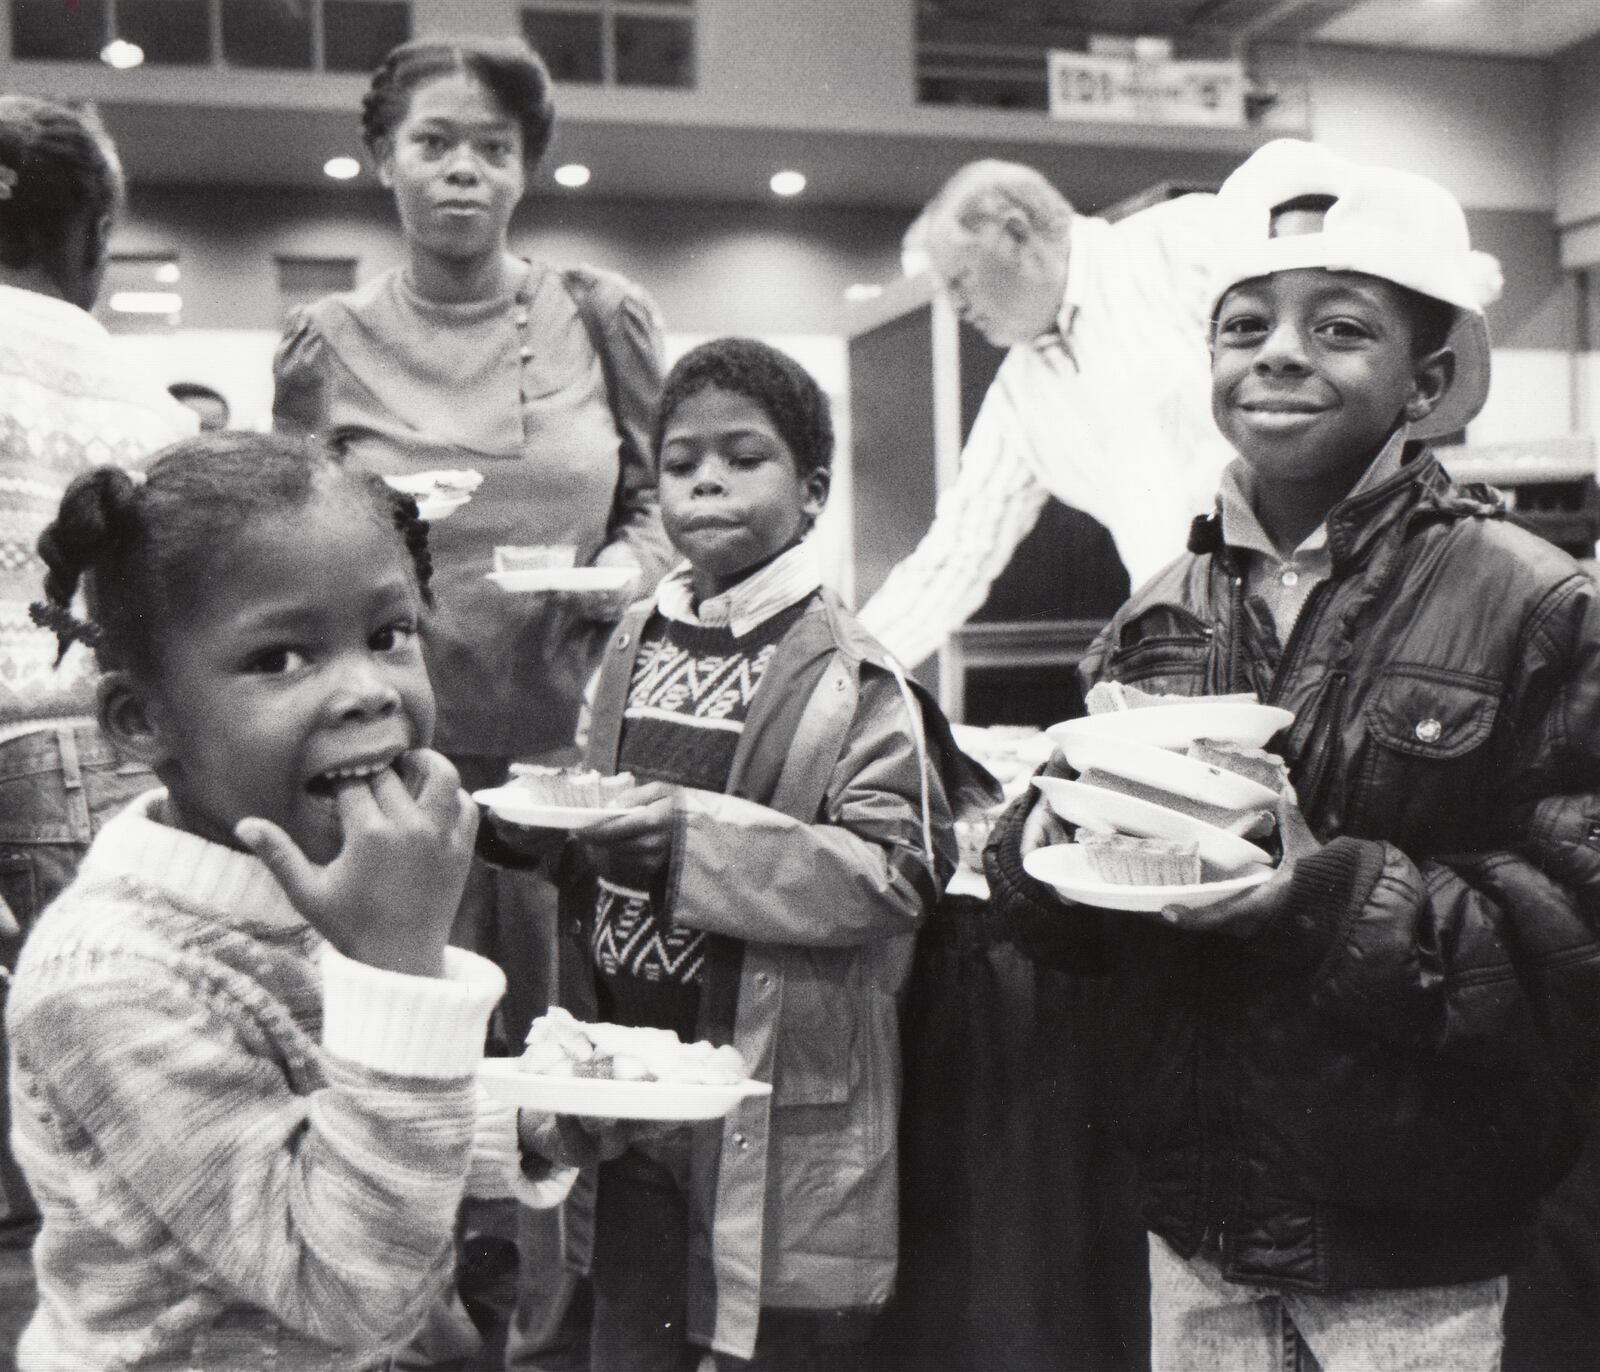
x,y
1104,400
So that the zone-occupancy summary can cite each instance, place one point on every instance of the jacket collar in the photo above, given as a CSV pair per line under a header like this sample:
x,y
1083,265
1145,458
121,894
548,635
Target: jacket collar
x,y
1419,488
788,579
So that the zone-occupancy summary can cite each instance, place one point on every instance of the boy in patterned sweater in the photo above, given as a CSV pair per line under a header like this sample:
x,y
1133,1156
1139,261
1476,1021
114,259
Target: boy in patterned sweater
x,y
791,830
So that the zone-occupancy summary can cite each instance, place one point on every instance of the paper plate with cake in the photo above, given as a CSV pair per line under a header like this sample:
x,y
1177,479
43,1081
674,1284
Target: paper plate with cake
x,y
1093,804
616,1071
548,567
1121,712
557,797
1070,868
1209,771
440,493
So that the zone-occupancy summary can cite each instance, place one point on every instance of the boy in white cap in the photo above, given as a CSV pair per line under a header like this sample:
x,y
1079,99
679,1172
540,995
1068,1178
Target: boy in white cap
x,y
1349,1088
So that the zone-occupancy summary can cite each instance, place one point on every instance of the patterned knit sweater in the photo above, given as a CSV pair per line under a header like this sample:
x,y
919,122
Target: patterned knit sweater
x,y
691,690
67,403
247,1149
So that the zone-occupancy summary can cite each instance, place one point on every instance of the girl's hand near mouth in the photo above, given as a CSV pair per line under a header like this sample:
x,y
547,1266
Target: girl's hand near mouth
x,y
389,897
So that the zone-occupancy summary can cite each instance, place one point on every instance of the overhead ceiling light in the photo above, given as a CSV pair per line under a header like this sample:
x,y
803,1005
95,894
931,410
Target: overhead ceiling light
x,y
862,290
121,54
787,183
167,273
573,174
342,168
146,302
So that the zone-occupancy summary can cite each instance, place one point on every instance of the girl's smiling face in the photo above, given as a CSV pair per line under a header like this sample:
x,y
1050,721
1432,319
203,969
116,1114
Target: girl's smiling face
x,y
296,670
731,495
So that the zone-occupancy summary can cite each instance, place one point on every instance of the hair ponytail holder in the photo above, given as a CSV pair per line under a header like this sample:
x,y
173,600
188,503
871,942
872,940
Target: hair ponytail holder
x,y
8,181
65,625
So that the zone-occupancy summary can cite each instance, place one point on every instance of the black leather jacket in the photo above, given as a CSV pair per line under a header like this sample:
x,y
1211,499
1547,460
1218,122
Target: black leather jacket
x,y
1378,1088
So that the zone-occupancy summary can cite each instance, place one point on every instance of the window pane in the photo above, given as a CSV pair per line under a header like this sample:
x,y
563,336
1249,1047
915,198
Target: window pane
x,y
654,52
358,36
177,32
141,295
57,32
569,43
260,33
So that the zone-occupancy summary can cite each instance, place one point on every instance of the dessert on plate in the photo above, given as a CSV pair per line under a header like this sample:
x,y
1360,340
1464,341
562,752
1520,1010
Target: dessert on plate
x,y
572,787
1127,861
562,1046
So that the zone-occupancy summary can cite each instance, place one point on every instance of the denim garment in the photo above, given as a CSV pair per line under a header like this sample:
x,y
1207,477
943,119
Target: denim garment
x,y
58,787
1201,1322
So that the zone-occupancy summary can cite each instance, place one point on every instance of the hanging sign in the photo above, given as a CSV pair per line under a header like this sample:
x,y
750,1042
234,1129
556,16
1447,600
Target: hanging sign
x,y
1145,88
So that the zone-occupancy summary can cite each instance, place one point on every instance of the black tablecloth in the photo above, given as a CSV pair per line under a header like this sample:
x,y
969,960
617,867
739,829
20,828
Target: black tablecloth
x,y
1021,1249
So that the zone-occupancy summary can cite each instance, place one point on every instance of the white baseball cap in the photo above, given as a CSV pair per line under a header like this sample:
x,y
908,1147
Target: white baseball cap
x,y
1397,225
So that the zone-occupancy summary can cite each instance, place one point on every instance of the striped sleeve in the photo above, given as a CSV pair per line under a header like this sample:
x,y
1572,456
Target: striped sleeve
x,y
325,1198
991,508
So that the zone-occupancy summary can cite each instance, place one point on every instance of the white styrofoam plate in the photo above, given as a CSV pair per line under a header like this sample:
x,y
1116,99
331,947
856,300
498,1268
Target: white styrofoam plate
x,y
1168,770
514,805
1177,726
563,579
1065,867
600,1098
1111,812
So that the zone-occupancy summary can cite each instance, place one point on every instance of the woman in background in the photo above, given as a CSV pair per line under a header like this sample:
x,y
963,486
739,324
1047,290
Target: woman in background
x,y
67,403
468,356
545,381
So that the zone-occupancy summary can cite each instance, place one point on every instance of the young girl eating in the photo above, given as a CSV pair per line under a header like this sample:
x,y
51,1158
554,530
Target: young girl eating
x,y
242,1055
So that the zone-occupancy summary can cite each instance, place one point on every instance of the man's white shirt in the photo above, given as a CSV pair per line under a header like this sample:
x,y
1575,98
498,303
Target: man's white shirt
x,y
1110,414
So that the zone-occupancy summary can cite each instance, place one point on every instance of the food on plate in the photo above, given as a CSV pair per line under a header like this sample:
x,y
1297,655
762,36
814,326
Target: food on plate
x,y
1258,765
541,557
1246,823
1127,861
576,787
1107,696
562,1046
445,484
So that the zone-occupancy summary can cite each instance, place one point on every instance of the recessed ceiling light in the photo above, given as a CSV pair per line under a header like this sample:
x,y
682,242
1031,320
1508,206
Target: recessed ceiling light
x,y
168,274
862,290
342,168
787,183
573,174
121,54
146,302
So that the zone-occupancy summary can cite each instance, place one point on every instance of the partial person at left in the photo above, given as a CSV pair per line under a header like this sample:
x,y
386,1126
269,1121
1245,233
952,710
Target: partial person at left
x,y
67,403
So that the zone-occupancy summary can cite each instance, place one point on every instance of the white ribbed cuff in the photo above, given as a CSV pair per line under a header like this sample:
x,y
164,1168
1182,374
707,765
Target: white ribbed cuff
x,y
496,1162
414,1026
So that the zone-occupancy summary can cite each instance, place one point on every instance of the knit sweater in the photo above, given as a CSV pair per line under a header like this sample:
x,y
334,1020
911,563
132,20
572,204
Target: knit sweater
x,y
248,1150
67,403
691,690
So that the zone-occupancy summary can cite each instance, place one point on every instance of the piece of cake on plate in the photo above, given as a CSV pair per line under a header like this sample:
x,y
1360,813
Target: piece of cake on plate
x,y
1127,861
573,787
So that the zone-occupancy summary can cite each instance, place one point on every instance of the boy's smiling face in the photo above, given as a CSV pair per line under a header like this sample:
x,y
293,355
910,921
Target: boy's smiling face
x,y
1311,370
732,496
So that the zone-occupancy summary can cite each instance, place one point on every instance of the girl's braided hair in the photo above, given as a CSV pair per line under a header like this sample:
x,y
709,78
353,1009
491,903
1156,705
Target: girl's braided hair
x,y
510,70
142,547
